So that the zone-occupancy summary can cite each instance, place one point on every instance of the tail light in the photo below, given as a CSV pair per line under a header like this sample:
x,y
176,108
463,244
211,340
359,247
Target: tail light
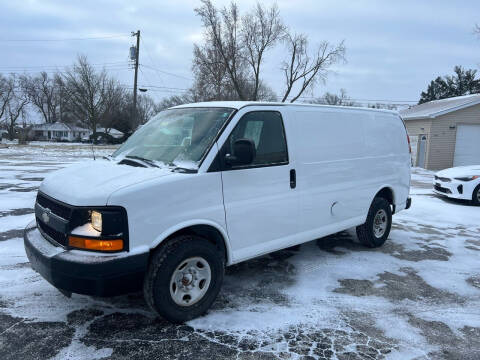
x,y
408,137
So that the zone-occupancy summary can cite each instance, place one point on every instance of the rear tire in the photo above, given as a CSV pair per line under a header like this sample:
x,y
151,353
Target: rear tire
x,y
183,278
476,196
376,229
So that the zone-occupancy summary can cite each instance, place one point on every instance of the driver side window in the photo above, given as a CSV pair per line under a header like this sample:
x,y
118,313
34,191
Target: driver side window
x,y
265,129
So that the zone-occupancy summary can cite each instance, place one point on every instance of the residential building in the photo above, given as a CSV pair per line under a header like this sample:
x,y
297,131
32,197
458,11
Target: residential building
x,y
58,132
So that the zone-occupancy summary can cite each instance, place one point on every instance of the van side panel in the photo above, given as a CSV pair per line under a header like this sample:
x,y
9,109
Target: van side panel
x,y
386,140
344,158
331,166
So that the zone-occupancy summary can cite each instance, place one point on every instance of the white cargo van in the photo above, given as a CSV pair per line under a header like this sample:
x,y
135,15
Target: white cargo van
x,y
207,185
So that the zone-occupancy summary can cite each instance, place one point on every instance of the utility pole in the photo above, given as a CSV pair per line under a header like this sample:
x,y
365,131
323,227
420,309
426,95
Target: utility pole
x,y
137,52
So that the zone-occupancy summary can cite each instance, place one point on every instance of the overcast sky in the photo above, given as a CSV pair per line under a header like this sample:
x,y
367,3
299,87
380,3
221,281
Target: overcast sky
x,y
394,48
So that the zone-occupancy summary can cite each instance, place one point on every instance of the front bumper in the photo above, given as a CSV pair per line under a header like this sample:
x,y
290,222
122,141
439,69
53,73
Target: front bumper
x,y
452,189
91,274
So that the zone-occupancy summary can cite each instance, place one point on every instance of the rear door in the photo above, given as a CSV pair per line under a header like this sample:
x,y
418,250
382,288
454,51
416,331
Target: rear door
x,y
261,203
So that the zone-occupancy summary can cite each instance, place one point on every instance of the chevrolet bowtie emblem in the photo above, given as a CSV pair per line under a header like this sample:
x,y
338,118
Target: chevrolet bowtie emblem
x,y
45,217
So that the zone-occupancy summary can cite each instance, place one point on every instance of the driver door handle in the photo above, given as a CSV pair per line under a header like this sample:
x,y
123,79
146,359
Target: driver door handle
x,y
293,179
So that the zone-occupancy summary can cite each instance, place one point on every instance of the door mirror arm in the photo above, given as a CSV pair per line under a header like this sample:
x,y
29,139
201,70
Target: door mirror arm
x,y
243,153
230,159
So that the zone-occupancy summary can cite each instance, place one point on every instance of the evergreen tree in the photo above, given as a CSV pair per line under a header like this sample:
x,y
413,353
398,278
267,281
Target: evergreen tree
x,y
462,83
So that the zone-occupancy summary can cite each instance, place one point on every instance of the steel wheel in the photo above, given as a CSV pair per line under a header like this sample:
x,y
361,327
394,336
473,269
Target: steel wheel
x,y
380,222
190,281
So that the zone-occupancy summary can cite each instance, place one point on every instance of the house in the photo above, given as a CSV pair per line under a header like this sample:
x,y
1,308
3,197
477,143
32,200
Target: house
x,y
445,133
58,132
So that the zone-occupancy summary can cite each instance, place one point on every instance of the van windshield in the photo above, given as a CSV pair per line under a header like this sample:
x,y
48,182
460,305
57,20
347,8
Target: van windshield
x,y
176,137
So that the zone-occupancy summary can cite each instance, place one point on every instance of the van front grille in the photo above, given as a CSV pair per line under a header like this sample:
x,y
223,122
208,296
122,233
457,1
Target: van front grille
x,y
55,235
56,207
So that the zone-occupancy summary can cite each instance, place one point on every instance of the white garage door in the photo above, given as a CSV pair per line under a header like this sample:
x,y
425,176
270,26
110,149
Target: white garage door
x,y
467,147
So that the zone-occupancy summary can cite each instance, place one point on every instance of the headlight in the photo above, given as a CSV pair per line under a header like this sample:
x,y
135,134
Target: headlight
x,y
467,178
96,220
99,229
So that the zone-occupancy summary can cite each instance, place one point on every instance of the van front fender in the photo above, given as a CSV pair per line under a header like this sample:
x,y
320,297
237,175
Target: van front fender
x,y
195,222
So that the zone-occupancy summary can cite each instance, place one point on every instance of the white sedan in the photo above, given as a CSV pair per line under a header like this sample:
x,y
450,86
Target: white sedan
x,y
461,182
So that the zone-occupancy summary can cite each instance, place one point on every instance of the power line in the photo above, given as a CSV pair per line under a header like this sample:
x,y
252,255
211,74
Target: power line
x,y
40,67
65,39
61,69
151,60
167,73
159,70
124,65
47,66
166,87
57,71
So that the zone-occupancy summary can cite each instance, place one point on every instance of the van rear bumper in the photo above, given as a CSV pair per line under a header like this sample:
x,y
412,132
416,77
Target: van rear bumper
x,y
86,274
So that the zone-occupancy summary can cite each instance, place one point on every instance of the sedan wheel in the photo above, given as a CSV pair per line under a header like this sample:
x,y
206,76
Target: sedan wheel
x,y
476,196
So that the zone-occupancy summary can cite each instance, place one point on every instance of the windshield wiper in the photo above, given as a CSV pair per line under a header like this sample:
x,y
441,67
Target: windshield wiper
x,y
147,161
182,169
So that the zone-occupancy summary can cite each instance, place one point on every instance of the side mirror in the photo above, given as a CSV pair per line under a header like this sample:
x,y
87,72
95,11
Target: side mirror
x,y
243,153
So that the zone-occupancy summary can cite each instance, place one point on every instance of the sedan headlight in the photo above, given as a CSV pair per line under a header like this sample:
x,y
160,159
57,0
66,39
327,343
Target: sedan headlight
x,y
467,178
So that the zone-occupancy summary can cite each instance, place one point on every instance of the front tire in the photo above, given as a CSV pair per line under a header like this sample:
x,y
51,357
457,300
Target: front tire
x,y
183,278
476,196
376,229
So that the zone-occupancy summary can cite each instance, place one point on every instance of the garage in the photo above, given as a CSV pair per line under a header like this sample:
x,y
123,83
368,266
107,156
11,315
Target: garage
x,y
446,132
467,145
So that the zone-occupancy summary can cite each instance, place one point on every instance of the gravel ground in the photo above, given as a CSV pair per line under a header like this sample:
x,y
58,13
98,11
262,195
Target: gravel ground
x,y
417,297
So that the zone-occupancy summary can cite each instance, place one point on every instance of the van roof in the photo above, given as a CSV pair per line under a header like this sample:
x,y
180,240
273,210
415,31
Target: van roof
x,y
241,104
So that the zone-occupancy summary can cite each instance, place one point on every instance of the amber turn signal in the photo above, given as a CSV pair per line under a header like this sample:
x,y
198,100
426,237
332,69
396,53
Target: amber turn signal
x,y
95,244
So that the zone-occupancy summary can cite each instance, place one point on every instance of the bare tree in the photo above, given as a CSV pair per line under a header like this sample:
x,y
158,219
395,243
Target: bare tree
x,y
211,78
173,100
145,108
229,63
90,95
43,93
383,106
6,92
341,99
306,69
222,31
14,103
113,97
261,30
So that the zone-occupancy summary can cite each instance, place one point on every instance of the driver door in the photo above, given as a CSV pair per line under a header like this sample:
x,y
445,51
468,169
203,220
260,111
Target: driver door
x,y
261,203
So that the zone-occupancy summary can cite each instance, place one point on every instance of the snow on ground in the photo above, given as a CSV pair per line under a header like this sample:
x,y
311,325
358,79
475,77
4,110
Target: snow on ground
x,y
417,297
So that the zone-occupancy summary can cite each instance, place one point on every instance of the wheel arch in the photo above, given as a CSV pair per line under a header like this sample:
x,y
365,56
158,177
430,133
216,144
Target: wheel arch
x,y
476,188
209,230
388,194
